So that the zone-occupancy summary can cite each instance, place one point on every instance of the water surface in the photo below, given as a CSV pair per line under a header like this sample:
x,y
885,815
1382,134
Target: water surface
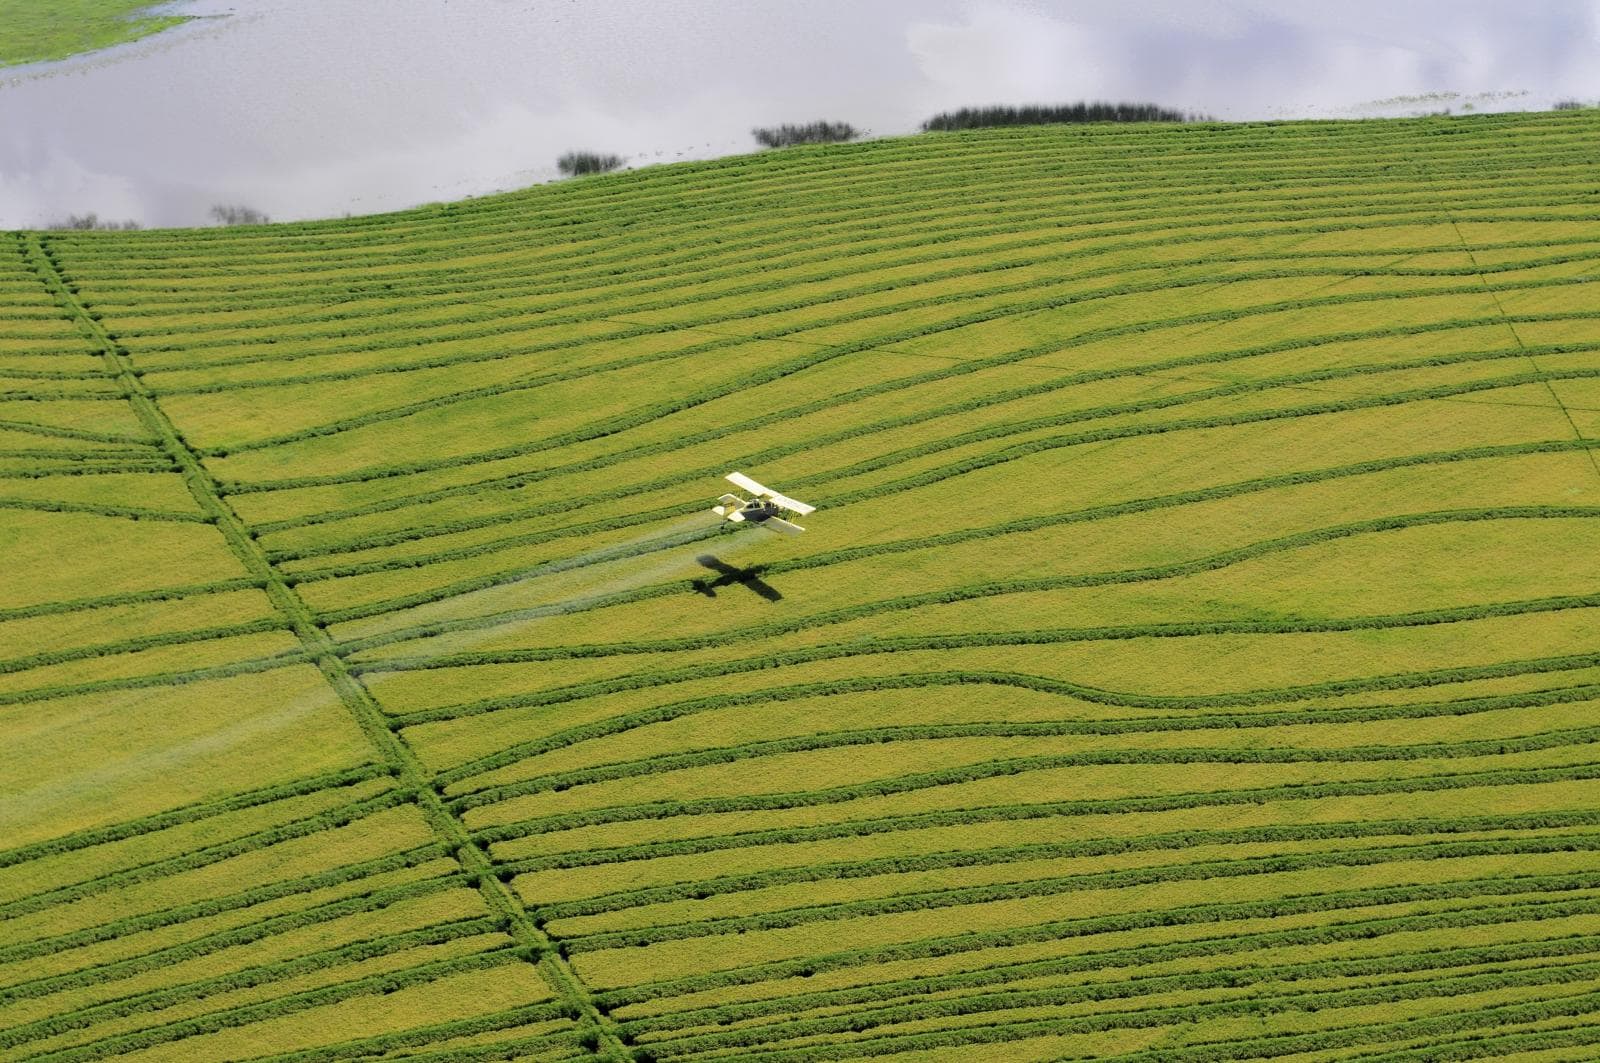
x,y
317,108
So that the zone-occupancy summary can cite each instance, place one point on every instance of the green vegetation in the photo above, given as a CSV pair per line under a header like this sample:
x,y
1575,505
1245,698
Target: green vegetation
x,y
787,135
1193,656
1055,114
32,32
586,163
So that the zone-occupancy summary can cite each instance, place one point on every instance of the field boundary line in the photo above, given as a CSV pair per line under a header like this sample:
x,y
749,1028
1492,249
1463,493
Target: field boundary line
x,y
369,716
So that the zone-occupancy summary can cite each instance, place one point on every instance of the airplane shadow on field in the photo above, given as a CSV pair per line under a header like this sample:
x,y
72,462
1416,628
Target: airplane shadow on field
x,y
728,575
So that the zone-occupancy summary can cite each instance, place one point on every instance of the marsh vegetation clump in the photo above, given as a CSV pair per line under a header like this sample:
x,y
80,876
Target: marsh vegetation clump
x,y
787,136
584,163
237,214
1056,114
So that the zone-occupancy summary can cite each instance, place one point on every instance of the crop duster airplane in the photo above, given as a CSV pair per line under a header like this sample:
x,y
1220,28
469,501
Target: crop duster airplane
x,y
763,509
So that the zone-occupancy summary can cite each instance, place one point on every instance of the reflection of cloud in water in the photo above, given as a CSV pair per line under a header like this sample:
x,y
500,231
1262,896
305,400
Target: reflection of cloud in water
x,y
308,108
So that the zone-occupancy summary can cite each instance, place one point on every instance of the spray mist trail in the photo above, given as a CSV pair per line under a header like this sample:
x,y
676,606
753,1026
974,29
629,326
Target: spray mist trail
x,y
492,614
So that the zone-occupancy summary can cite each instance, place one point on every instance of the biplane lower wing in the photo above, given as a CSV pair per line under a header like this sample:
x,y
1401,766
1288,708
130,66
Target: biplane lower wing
x,y
739,479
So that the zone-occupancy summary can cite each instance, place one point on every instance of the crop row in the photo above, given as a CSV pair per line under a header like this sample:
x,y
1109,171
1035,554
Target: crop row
x,y
250,666
141,642
216,941
1544,895
246,1014
996,588
203,857
1150,222
1569,738
894,546
108,601
996,430
388,344
86,469
199,909
423,1036
1044,809
84,434
928,245
624,422
992,769
729,262
514,480
556,376
971,464
1039,446
1254,1005
722,885
459,222
1032,636
1492,1041
248,978
1009,357
1187,228
921,821
918,680
632,331
663,254
1240,975
1223,1052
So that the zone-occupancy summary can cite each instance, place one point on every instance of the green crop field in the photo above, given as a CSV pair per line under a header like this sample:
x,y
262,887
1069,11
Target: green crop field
x,y
1195,654
36,30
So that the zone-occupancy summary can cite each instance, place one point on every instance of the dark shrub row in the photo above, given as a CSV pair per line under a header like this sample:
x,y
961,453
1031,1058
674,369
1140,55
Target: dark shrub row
x,y
787,136
585,163
1057,114
93,221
